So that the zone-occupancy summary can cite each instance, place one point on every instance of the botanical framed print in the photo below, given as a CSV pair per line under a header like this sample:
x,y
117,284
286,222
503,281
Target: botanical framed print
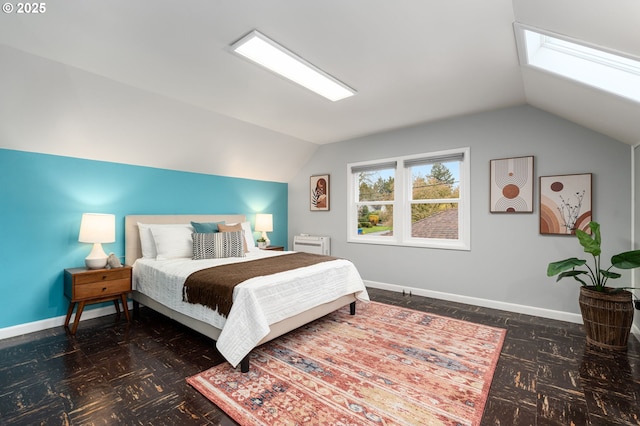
x,y
319,193
565,204
511,183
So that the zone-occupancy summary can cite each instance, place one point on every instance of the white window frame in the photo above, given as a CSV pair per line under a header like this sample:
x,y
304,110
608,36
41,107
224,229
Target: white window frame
x,y
403,200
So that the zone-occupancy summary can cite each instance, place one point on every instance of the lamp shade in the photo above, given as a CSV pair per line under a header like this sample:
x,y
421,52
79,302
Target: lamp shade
x,y
264,222
97,228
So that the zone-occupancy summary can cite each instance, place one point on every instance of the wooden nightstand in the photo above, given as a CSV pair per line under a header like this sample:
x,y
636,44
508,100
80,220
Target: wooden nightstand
x,y
274,248
86,286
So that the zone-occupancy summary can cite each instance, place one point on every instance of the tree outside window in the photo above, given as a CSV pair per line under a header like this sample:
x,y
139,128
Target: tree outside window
x,y
435,193
375,202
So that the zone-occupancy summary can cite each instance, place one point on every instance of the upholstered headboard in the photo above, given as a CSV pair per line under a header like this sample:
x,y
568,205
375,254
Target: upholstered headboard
x,y
132,249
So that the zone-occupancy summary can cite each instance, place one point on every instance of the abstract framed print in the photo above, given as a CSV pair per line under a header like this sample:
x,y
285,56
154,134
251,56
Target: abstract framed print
x,y
565,204
319,193
511,183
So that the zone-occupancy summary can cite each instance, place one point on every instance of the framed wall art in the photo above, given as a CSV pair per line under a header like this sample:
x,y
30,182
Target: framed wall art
x,y
319,193
511,183
565,204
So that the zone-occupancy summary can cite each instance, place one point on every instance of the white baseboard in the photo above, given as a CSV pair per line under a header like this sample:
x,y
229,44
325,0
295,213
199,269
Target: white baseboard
x,y
30,327
486,303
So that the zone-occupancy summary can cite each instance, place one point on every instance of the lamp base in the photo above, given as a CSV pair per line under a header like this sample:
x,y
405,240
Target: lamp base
x,y
97,259
264,235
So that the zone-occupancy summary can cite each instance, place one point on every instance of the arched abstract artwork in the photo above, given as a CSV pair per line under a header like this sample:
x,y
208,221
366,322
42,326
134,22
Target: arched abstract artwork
x,y
565,204
319,193
511,185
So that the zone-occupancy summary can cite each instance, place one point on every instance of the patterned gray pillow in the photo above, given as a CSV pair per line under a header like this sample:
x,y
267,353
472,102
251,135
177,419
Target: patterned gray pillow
x,y
218,245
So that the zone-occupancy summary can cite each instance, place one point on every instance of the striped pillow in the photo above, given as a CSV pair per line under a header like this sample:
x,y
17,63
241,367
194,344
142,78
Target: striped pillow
x,y
218,245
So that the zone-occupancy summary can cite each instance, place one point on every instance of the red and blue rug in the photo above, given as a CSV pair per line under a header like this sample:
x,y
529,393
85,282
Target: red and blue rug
x,y
386,365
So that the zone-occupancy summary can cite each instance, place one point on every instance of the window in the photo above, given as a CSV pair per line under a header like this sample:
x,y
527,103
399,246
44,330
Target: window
x,y
614,72
419,200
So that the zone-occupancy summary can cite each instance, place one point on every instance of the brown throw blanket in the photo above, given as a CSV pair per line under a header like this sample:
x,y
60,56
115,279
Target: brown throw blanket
x,y
213,287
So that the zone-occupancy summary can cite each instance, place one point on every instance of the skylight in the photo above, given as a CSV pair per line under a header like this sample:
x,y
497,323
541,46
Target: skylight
x,y
579,61
271,55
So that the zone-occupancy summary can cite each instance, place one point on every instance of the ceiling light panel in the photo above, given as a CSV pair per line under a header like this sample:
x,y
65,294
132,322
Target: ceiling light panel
x,y
260,49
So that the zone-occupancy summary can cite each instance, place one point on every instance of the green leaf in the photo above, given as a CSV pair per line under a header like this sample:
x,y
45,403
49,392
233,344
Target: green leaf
x,y
563,265
574,274
590,244
626,260
595,229
610,274
571,274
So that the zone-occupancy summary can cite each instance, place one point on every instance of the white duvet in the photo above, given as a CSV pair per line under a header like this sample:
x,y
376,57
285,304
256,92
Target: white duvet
x,y
257,302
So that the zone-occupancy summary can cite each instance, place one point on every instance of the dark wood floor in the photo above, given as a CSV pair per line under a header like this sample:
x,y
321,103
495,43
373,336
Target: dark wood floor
x,y
112,372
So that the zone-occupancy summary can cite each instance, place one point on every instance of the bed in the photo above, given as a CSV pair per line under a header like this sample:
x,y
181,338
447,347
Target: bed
x,y
263,307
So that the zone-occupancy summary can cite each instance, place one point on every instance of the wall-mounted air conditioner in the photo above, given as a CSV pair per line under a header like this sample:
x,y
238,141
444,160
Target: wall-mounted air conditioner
x,y
312,244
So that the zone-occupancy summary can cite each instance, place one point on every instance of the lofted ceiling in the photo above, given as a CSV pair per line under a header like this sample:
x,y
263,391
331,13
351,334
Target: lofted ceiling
x,y
411,61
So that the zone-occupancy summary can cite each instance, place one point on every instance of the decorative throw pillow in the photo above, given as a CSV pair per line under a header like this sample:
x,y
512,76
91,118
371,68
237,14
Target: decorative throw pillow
x,y
223,227
205,227
218,245
248,235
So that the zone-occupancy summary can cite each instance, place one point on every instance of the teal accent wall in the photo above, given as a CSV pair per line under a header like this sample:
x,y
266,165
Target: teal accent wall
x,y
42,198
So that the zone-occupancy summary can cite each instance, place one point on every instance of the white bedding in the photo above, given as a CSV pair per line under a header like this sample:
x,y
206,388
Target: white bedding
x,y
257,302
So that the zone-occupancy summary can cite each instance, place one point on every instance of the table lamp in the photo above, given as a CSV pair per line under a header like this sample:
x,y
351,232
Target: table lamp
x,y
97,228
264,224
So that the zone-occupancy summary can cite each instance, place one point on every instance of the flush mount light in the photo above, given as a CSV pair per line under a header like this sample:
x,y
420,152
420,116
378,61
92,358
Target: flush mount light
x,y
262,50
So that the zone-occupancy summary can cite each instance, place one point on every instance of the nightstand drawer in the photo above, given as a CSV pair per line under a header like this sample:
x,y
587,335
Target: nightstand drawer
x,y
104,288
103,275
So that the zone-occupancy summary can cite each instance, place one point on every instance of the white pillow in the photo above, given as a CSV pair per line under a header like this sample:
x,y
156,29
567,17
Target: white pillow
x,y
248,235
172,241
147,243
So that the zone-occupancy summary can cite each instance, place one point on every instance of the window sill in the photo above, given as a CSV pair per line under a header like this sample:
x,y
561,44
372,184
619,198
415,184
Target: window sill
x,y
436,244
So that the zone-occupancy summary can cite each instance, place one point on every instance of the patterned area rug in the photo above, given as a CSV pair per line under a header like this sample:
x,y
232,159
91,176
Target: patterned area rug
x,y
386,365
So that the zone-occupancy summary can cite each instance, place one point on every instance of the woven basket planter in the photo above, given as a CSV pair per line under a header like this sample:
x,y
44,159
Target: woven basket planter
x,y
607,318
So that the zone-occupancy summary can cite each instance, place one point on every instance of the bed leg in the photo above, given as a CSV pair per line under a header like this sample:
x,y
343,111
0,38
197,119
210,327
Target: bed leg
x,y
244,364
352,308
136,309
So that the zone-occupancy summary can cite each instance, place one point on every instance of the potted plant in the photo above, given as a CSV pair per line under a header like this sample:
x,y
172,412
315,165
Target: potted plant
x,y
262,242
607,312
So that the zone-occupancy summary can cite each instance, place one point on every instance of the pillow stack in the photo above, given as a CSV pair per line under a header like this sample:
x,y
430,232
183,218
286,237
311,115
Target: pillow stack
x,y
198,240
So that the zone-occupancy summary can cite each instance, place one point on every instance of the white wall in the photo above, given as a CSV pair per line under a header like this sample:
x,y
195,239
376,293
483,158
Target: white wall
x,y
51,108
506,267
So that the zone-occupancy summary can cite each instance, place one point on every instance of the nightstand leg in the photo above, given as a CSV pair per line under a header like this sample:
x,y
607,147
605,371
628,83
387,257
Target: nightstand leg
x,y
116,302
69,312
76,320
125,307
